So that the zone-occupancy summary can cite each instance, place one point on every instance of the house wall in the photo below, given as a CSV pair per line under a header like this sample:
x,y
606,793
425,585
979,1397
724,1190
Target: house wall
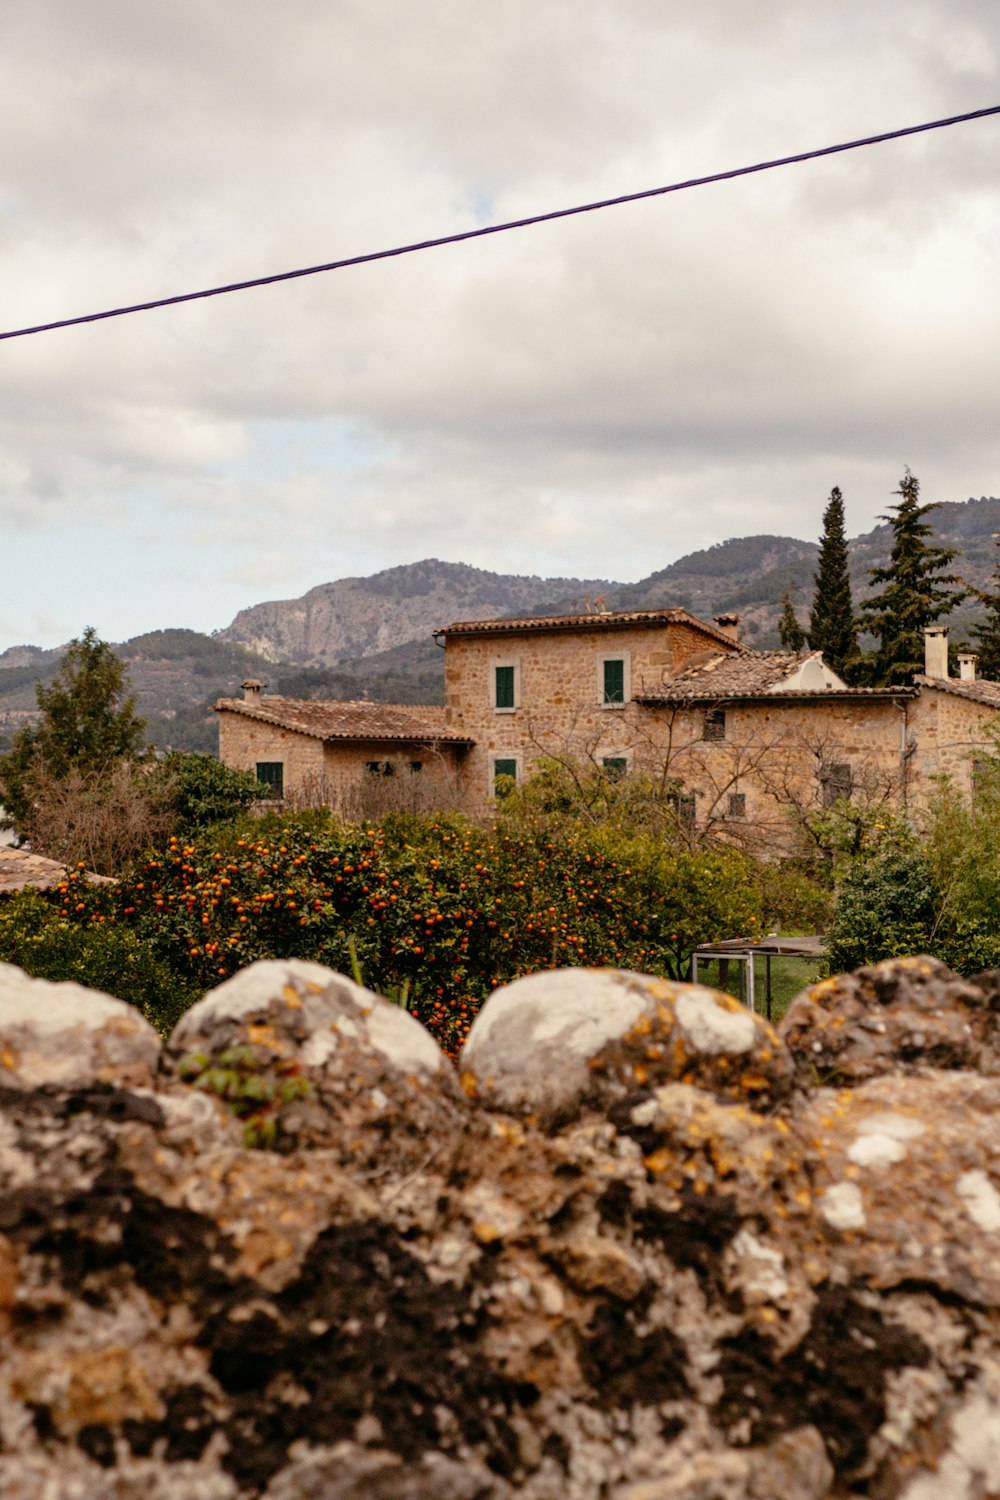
x,y
244,741
777,756
945,732
318,773
559,708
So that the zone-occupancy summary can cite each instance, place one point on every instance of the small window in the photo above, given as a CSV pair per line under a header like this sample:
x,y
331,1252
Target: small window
x,y
271,773
684,806
504,776
615,766
504,684
715,724
415,766
837,783
737,805
380,768
614,680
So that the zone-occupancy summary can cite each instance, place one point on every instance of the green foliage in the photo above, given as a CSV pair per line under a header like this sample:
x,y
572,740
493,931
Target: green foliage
x,y
887,906
253,1083
199,790
987,632
916,591
792,899
832,626
434,909
793,637
88,722
49,944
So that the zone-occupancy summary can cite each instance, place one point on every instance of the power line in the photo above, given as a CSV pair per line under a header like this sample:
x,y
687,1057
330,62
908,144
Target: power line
x,y
475,234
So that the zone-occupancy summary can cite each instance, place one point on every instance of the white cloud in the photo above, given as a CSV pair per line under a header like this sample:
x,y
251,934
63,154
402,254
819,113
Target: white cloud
x,y
596,396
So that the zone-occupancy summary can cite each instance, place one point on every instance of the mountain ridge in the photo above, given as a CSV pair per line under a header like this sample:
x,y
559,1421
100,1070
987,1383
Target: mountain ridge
x,y
371,637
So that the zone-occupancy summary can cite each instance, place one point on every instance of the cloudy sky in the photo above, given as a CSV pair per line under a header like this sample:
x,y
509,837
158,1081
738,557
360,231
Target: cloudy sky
x,y
594,397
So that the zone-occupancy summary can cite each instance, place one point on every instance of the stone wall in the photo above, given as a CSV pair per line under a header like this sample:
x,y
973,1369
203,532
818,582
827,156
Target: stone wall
x,y
560,709
318,773
639,1247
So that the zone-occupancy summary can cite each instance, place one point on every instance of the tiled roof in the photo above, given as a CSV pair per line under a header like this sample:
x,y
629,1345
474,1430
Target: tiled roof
x,y
757,675
979,691
633,619
20,868
326,720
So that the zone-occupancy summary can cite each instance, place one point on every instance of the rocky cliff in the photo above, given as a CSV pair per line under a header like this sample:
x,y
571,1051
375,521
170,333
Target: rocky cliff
x,y
641,1247
358,617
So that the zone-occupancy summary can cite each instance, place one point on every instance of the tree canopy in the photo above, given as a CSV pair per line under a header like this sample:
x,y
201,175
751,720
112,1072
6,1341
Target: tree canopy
x,y
987,634
793,637
916,591
832,624
88,722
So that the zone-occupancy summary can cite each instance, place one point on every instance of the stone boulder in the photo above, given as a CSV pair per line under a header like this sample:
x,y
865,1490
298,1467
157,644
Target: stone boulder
x,y
647,1254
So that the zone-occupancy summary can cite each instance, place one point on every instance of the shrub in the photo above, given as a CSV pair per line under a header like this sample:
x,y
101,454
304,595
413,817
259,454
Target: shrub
x,y
887,907
35,936
441,906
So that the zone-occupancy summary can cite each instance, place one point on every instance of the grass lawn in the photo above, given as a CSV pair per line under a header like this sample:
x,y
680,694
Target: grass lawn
x,y
788,977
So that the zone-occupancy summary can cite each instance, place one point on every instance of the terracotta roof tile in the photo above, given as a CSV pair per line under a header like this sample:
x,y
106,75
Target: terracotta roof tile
x,y
335,720
19,868
757,675
979,691
606,620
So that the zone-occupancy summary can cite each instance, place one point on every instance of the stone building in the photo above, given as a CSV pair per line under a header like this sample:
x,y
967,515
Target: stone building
x,y
741,739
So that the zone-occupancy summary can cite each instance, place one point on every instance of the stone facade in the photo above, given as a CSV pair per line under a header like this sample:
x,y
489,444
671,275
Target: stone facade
x,y
747,739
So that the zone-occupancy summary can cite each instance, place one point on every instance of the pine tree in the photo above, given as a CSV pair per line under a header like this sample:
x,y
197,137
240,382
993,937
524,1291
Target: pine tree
x,y
793,637
916,591
832,624
88,722
987,635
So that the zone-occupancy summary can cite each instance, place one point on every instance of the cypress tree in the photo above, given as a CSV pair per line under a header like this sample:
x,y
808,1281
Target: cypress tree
x,y
832,624
793,637
916,591
987,635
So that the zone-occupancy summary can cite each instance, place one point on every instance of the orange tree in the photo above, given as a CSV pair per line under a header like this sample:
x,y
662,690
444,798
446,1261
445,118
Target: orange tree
x,y
447,909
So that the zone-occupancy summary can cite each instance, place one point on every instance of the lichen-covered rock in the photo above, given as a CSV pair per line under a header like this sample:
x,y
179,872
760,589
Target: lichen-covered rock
x,y
306,1057
902,1013
669,1284
62,1036
550,1044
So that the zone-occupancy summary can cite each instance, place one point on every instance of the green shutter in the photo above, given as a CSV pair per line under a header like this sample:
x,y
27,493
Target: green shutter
x,y
505,687
615,766
271,773
501,770
614,681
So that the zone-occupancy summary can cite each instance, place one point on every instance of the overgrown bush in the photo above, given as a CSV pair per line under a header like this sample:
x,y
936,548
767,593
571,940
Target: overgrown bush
x,y
38,938
447,908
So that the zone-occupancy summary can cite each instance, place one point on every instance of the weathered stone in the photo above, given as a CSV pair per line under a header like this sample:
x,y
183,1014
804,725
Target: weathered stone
x,y
307,1057
692,1289
550,1044
903,1013
62,1036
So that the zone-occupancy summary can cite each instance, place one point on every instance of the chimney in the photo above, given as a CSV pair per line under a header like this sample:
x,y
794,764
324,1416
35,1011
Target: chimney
x,y
967,666
252,690
729,625
936,651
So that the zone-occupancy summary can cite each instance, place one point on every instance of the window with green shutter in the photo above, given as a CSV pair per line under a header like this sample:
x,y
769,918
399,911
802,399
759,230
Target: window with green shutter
x,y
504,687
504,774
271,773
615,766
614,680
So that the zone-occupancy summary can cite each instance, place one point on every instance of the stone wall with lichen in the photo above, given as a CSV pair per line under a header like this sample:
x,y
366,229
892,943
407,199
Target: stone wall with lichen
x,y
639,1246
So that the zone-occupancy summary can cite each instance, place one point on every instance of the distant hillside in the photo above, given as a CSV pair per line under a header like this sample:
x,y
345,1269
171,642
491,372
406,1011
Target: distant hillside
x,y
360,617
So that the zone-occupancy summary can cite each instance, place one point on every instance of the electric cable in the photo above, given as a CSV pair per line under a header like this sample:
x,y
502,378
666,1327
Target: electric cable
x,y
502,228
